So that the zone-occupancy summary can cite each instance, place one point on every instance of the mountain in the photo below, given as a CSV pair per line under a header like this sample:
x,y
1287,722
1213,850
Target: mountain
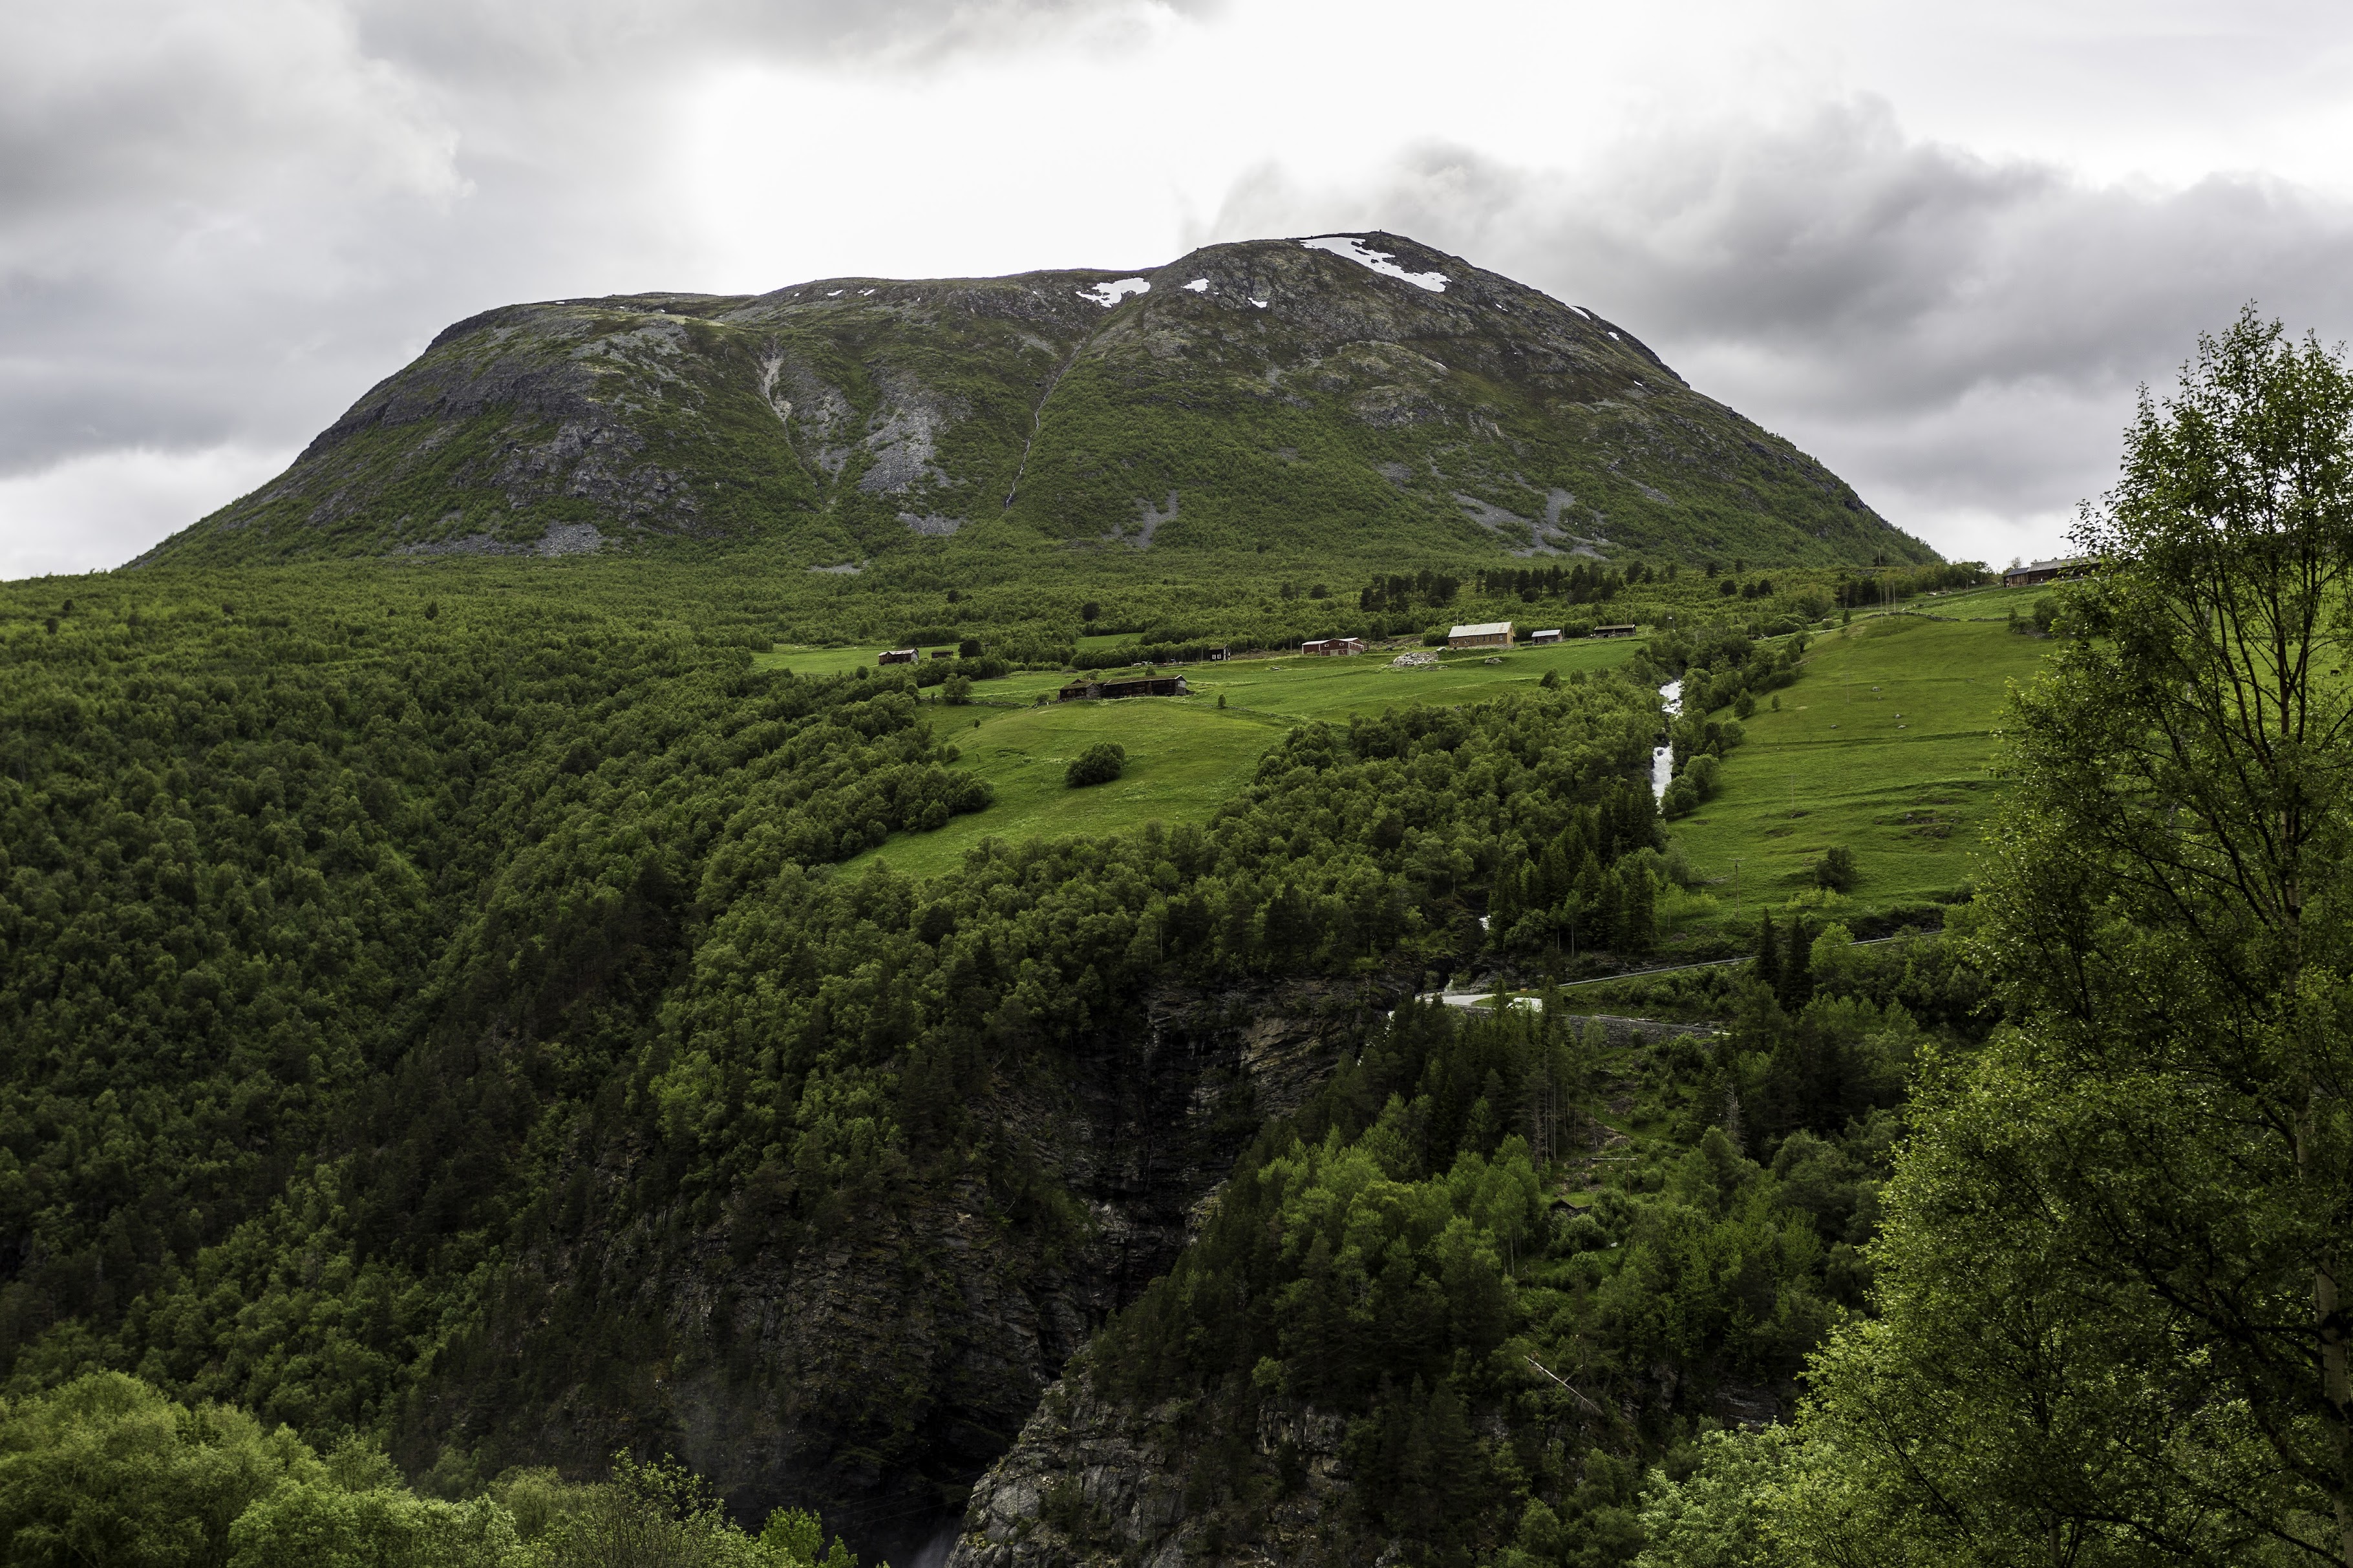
x,y
1343,394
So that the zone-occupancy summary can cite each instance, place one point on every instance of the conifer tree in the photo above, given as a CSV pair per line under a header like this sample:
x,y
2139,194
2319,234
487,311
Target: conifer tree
x,y
1551,878
1796,966
1768,955
1637,923
1608,911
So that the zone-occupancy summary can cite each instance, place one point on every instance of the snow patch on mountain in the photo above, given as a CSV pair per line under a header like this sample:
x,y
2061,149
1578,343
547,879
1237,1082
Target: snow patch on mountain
x,y
1355,250
1110,294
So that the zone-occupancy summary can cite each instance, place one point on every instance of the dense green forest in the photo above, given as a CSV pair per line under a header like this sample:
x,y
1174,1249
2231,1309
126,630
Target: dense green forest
x,y
419,983
463,1104
106,1470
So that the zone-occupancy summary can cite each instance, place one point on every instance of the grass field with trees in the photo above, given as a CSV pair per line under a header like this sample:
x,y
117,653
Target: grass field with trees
x,y
1883,746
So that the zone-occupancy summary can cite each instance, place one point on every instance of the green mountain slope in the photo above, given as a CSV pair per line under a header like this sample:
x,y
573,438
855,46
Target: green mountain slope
x,y
1334,394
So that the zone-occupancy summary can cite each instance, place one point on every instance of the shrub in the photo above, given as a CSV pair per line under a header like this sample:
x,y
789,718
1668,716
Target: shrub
x,y
1681,799
1835,870
1098,763
957,690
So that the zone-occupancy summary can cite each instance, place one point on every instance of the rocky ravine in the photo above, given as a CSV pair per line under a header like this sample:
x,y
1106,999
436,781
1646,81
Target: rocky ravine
x,y
876,1368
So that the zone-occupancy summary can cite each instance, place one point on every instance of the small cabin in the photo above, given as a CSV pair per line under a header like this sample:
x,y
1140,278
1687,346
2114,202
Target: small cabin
x,y
1616,631
1549,634
1087,688
1487,634
2035,572
899,655
944,653
1333,648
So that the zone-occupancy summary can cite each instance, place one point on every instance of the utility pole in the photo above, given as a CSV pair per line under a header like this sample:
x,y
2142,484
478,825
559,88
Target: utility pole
x,y
1735,885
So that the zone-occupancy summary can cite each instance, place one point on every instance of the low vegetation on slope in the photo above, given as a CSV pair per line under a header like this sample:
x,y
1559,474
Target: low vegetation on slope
x,y
1253,396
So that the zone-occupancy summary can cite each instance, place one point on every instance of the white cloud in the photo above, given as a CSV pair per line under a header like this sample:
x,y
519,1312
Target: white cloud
x,y
105,508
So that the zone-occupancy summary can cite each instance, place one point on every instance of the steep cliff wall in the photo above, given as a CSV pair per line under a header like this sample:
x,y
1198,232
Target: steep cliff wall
x,y
878,1366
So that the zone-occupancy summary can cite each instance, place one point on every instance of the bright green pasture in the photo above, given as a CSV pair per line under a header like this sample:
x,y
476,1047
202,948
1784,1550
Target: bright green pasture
x,y
1881,745
1186,756
1983,603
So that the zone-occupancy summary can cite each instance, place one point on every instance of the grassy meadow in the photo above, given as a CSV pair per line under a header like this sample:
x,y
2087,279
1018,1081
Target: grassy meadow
x,y
1994,604
1881,745
1185,756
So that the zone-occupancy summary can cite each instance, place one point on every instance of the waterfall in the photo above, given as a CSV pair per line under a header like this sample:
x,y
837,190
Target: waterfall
x,y
1663,758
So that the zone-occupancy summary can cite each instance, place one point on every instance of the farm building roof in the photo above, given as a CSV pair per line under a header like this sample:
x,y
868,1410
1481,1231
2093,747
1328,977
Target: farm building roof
x,y
1483,629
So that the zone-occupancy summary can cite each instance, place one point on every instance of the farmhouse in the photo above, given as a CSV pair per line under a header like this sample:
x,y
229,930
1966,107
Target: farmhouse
x,y
1549,634
1087,685
1333,648
2035,572
899,656
1614,631
1486,634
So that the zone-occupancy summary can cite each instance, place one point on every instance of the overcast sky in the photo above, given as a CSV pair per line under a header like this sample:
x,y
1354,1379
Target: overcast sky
x,y
1937,247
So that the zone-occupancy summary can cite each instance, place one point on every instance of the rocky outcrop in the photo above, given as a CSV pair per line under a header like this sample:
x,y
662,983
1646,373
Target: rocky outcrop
x,y
1091,1484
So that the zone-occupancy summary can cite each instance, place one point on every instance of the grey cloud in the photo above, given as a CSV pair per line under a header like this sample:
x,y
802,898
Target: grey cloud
x,y
124,101
559,40
219,223
1959,332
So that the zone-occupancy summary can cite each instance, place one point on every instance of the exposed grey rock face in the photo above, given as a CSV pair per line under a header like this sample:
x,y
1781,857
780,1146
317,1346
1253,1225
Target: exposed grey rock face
x,y
1292,395
1148,520
561,539
1092,1483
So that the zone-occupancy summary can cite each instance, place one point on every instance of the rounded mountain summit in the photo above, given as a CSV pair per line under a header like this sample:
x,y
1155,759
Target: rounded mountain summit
x,y
1350,394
